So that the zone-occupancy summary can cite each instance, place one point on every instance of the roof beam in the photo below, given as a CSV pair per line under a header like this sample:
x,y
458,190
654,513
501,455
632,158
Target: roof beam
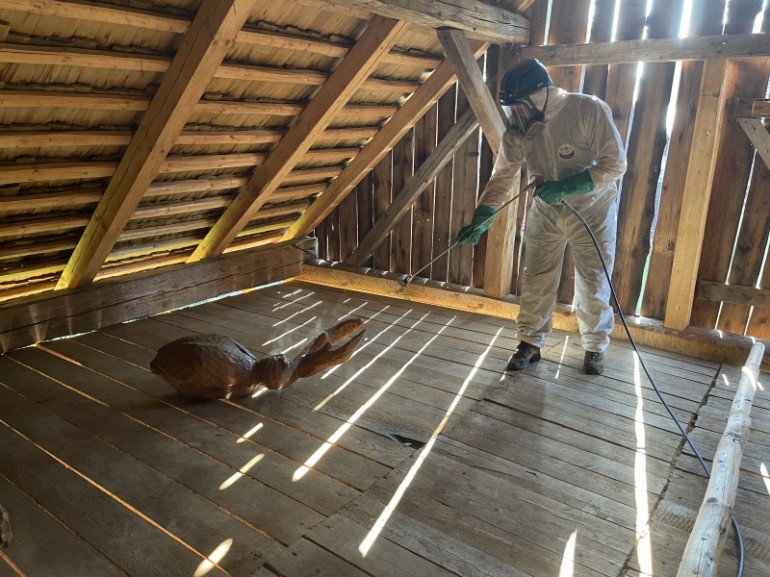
x,y
478,19
485,107
211,35
378,38
651,50
374,151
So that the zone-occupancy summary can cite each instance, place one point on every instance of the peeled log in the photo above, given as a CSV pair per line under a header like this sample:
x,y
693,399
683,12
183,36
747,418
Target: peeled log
x,y
217,367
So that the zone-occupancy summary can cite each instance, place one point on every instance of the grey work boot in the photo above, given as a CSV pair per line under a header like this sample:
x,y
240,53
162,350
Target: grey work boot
x,y
593,363
524,355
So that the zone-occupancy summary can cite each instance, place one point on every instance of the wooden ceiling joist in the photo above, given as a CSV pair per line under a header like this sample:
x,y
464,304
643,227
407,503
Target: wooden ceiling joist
x,y
88,170
478,19
204,47
378,38
417,104
67,138
651,50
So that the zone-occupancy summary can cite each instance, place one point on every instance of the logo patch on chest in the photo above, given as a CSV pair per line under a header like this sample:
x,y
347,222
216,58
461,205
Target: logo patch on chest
x,y
566,152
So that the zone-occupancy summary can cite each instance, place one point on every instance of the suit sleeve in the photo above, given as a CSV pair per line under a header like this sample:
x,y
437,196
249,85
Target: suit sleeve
x,y
603,136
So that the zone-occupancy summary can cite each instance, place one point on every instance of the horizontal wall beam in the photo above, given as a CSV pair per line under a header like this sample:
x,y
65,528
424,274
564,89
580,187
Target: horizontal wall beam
x,y
110,302
651,50
692,342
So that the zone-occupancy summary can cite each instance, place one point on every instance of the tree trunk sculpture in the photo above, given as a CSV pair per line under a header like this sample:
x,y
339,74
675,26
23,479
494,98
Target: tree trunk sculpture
x,y
217,367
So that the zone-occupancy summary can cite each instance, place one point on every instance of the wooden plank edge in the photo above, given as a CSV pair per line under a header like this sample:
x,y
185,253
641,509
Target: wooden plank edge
x,y
113,301
693,342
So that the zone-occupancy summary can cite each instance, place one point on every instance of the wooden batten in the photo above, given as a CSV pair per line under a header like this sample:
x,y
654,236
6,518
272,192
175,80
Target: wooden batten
x,y
109,302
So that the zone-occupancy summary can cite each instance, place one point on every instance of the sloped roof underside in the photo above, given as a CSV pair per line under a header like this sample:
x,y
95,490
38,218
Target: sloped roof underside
x,y
128,130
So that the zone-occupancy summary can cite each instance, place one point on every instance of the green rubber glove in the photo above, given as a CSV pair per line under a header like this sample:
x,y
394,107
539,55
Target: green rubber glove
x,y
552,191
482,220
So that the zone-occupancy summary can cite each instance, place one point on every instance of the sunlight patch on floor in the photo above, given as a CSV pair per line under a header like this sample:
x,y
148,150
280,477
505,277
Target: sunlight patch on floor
x,y
358,373
291,316
765,476
287,333
240,473
337,435
248,434
376,529
568,559
643,538
216,556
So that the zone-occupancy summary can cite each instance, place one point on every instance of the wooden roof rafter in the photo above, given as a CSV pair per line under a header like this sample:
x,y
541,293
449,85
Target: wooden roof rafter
x,y
203,49
378,38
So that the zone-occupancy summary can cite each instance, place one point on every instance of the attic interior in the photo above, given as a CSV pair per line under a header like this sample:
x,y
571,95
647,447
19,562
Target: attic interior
x,y
264,170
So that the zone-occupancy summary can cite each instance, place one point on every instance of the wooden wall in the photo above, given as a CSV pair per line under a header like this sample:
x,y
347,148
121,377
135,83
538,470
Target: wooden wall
x,y
733,283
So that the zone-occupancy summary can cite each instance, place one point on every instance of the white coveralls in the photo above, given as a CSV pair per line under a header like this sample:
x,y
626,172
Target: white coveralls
x,y
578,134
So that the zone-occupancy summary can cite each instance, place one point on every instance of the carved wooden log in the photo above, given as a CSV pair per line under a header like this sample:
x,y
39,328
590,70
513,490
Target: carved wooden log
x,y
217,367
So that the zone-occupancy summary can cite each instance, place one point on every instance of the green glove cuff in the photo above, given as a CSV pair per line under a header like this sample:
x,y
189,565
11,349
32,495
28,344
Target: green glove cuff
x,y
481,221
552,191
579,183
482,217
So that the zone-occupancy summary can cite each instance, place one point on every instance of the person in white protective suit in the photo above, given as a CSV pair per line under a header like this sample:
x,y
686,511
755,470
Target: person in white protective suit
x,y
570,145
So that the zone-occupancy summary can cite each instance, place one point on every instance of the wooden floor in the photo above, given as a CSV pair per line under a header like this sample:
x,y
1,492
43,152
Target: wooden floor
x,y
418,457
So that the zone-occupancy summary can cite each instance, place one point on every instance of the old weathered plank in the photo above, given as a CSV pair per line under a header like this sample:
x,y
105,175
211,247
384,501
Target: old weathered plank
x,y
733,165
693,223
645,148
442,210
101,517
422,211
670,204
464,195
403,170
109,302
65,551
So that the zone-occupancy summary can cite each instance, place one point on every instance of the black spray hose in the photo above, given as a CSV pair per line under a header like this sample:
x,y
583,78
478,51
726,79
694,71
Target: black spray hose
x,y
737,527
407,278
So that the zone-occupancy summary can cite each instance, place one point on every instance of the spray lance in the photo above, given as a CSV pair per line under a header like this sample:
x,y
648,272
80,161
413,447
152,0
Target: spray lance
x,y
409,277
